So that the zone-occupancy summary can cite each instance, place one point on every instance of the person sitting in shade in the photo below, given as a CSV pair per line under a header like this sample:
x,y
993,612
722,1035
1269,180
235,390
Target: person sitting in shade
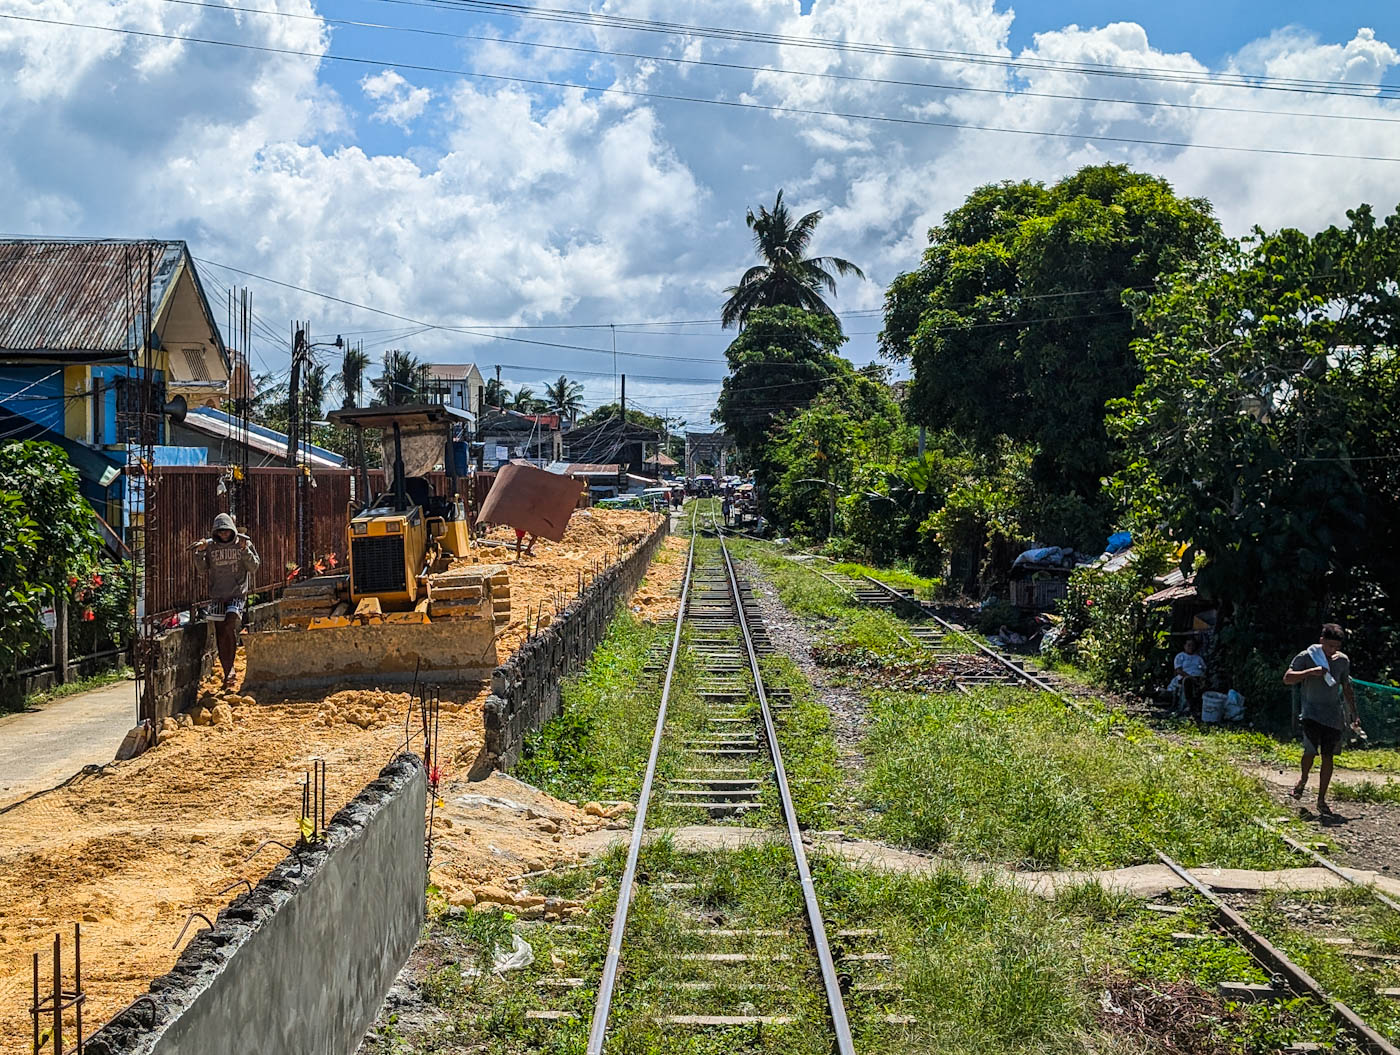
x,y
1190,668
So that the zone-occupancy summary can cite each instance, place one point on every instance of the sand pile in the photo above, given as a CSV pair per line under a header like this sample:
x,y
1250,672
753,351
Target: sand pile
x,y
657,597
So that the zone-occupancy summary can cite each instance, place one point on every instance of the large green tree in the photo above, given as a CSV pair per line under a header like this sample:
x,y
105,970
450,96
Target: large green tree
x,y
787,275
1266,426
1015,322
778,364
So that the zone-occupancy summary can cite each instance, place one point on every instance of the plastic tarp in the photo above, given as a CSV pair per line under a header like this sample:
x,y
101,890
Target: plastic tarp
x,y
1056,555
531,500
424,449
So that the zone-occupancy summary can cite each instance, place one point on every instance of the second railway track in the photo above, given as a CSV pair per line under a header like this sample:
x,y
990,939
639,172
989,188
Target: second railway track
x,y
946,639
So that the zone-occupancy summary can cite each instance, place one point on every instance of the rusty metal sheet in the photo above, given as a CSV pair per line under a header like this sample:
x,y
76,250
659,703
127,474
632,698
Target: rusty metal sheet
x,y
531,500
78,297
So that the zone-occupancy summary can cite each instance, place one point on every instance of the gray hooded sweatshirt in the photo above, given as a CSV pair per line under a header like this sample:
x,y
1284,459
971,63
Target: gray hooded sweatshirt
x,y
228,567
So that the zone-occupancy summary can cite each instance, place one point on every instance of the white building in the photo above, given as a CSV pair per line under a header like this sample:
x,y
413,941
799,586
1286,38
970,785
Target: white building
x,y
458,385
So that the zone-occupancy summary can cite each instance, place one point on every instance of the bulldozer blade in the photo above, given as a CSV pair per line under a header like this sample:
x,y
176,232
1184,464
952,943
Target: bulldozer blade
x,y
450,651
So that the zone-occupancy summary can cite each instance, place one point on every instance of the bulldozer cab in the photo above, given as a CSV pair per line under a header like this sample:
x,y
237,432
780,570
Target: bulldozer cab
x,y
397,536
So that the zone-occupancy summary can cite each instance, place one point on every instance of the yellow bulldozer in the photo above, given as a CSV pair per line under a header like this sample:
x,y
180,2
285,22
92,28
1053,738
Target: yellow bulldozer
x,y
399,610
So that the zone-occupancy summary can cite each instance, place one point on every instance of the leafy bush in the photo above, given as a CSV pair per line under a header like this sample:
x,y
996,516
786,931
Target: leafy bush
x,y
48,545
1105,629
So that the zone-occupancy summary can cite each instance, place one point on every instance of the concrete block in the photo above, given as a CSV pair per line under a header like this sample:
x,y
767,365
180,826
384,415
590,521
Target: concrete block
x,y
304,962
1248,992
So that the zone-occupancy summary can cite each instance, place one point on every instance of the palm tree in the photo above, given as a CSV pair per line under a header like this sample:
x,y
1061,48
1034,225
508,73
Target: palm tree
x,y
402,380
565,398
525,400
786,276
495,394
350,382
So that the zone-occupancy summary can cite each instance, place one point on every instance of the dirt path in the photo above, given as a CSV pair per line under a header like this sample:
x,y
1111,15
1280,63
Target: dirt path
x,y
41,747
1147,880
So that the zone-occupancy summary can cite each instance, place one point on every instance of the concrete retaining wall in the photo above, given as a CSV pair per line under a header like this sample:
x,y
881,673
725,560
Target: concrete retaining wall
x,y
182,658
301,965
525,689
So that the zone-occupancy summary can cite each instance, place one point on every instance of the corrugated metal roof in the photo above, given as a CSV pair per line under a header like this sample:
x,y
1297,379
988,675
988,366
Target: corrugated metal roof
x,y
452,371
81,298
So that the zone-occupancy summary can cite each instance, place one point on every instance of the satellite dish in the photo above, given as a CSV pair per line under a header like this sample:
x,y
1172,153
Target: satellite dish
x,y
176,408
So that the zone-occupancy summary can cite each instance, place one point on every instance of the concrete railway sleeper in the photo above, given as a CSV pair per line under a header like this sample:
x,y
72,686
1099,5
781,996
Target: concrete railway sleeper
x,y
726,972
943,637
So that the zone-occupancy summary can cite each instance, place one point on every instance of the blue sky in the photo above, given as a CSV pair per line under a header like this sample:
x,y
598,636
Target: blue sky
x,y
475,205
1210,29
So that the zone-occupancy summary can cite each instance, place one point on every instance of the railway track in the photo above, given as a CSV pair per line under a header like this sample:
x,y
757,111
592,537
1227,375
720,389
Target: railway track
x,y
720,761
946,639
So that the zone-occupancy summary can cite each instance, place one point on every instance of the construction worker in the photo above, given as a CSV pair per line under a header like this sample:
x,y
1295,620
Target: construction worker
x,y
227,560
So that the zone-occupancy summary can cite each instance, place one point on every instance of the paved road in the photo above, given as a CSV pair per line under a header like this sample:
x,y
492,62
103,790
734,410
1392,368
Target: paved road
x,y
40,748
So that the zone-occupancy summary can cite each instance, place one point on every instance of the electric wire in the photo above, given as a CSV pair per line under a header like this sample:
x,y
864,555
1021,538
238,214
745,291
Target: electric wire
x,y
736,66
501,78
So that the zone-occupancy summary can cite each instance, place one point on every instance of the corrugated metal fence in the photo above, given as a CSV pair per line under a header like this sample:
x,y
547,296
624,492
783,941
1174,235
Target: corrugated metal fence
x,y
186,500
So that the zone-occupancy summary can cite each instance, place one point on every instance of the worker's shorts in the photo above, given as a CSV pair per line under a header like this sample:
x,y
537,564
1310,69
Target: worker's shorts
x,y
218,611
1323,738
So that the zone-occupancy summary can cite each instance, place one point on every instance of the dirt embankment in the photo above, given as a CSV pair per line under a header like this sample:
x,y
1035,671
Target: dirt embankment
x,y
131,851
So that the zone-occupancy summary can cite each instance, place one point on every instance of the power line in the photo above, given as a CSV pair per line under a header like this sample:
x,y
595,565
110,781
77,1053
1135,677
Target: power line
x,y
817,74
632,93
1233,80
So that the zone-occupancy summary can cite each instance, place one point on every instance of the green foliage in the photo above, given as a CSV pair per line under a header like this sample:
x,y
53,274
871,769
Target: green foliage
x,y
1015,324
1265,426
101,615
779,363
598,746
822,450
1105,629
403,378
48,543
564,397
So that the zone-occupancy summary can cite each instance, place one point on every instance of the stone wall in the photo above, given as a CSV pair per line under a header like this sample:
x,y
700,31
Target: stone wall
x,y
525,689
302,963
182,658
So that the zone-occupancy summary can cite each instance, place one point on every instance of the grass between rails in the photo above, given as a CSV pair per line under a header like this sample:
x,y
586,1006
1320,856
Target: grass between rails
x,y
1301,925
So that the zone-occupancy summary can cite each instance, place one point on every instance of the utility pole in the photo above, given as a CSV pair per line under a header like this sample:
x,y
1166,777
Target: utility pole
x,y
624,399
499,400
293,390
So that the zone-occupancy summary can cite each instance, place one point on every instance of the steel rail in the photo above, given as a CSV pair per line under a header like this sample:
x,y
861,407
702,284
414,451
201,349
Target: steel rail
x,y
599,1027
1330,865
845,1045
1278,962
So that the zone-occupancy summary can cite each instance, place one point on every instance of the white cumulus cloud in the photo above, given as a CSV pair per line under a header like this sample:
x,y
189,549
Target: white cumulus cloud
x,y
398,101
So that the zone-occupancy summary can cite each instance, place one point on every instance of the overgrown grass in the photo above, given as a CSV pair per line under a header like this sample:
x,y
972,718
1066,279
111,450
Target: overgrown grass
x,y
807,743
921,586
1354,913
807,594
1245,745
73,688
598,746
1011,775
